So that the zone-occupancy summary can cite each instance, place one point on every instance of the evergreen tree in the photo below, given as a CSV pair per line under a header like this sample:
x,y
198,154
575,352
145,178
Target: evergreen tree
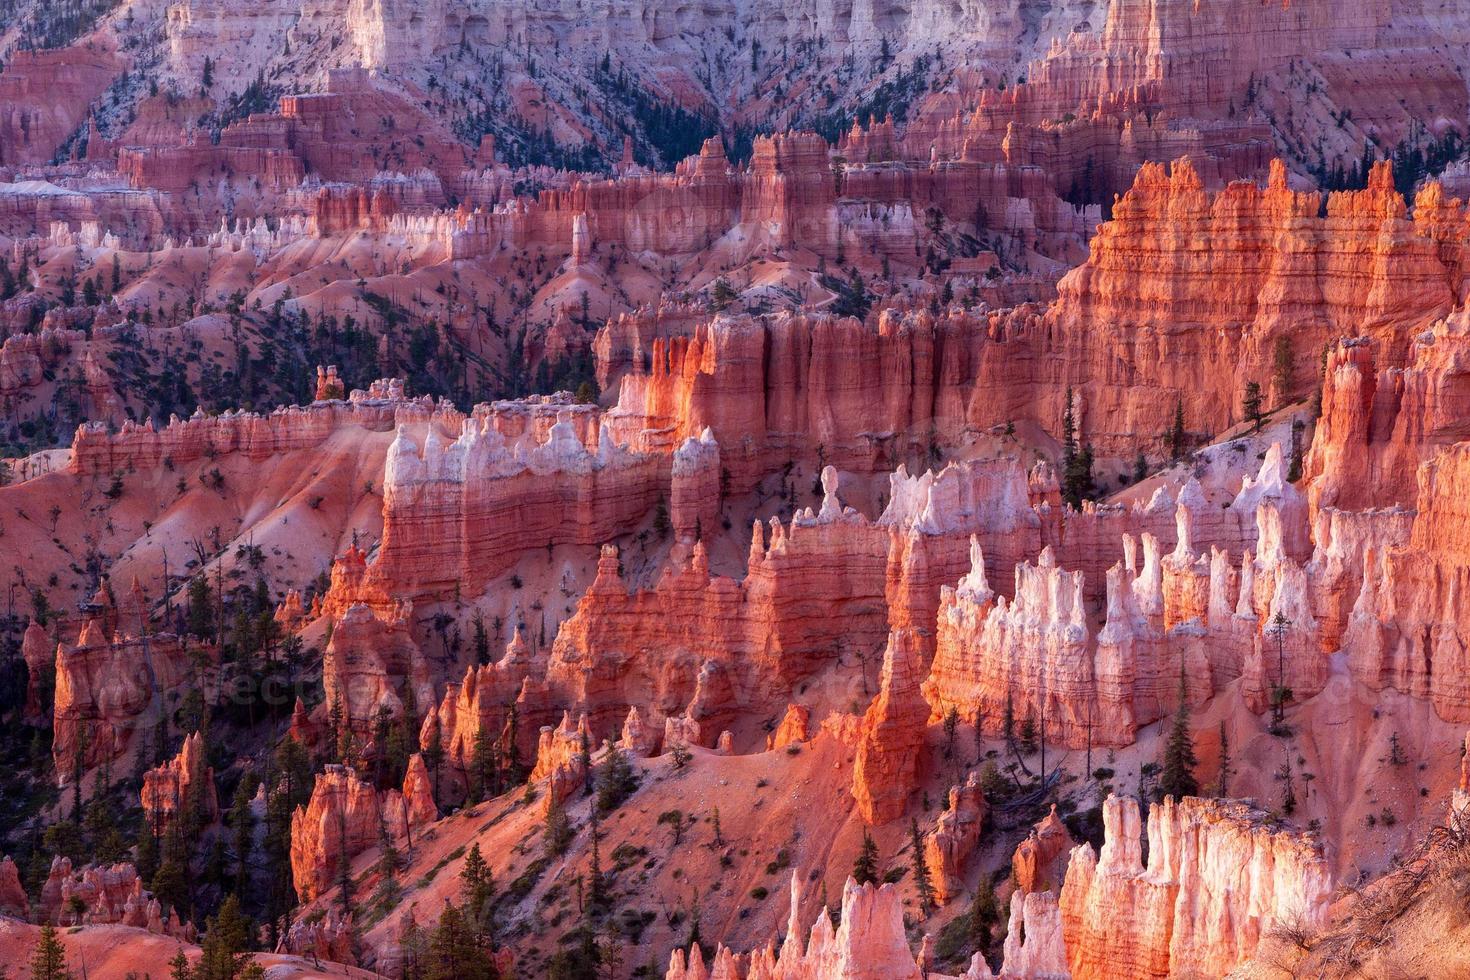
x,y
597,887
922,883
616,781
482,640
1177,435
1250,404
722,295
201,608
455,952
558,834
223,954
477,887
171,881
865,868
482,774
984,914
1176,776
48,960
1281,363
1222,784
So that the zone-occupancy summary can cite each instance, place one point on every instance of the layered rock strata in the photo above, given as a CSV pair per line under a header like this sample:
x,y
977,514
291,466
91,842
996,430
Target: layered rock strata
x,y
1219,878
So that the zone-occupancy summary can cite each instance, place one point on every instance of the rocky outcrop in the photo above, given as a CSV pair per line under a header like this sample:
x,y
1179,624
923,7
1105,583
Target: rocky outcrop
x,y
892,732
1219,878
562,758
954,838
13,900
182,785
1038,656
46,95
457,513
39,654
374,670
787,618
1363,267
1040,861
1034,947
327,938
869,945
105,689
1404,626
775,388
104,895
96,450
347,816
497,702
795,727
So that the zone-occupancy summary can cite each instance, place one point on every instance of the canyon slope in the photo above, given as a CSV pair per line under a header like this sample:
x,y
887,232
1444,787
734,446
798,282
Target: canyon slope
x,y
734,491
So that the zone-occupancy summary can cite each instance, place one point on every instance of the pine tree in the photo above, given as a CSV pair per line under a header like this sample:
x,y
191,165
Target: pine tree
x,y
48,960
1176,431
984,914
597,887
616,781
482,768
223,953
922,882
482,640
201,608
339,732
1222,785
1250,404
558,834
477,886
242,821
865,868
1282,358
1176,776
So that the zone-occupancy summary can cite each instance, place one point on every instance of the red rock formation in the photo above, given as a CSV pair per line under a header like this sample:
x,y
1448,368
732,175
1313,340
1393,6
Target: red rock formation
x,y
1040,861
562,757
13,899
1187,612
46,95
673,649
1402,630
106,689
955,835
777,387
39,654
184,784
1219,878
1364,267
892,733
329,386
1034,945
97,451
794,727
328,938
637,737
420,808
373,669
346,817
495,700
103,895
869,945
457,514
